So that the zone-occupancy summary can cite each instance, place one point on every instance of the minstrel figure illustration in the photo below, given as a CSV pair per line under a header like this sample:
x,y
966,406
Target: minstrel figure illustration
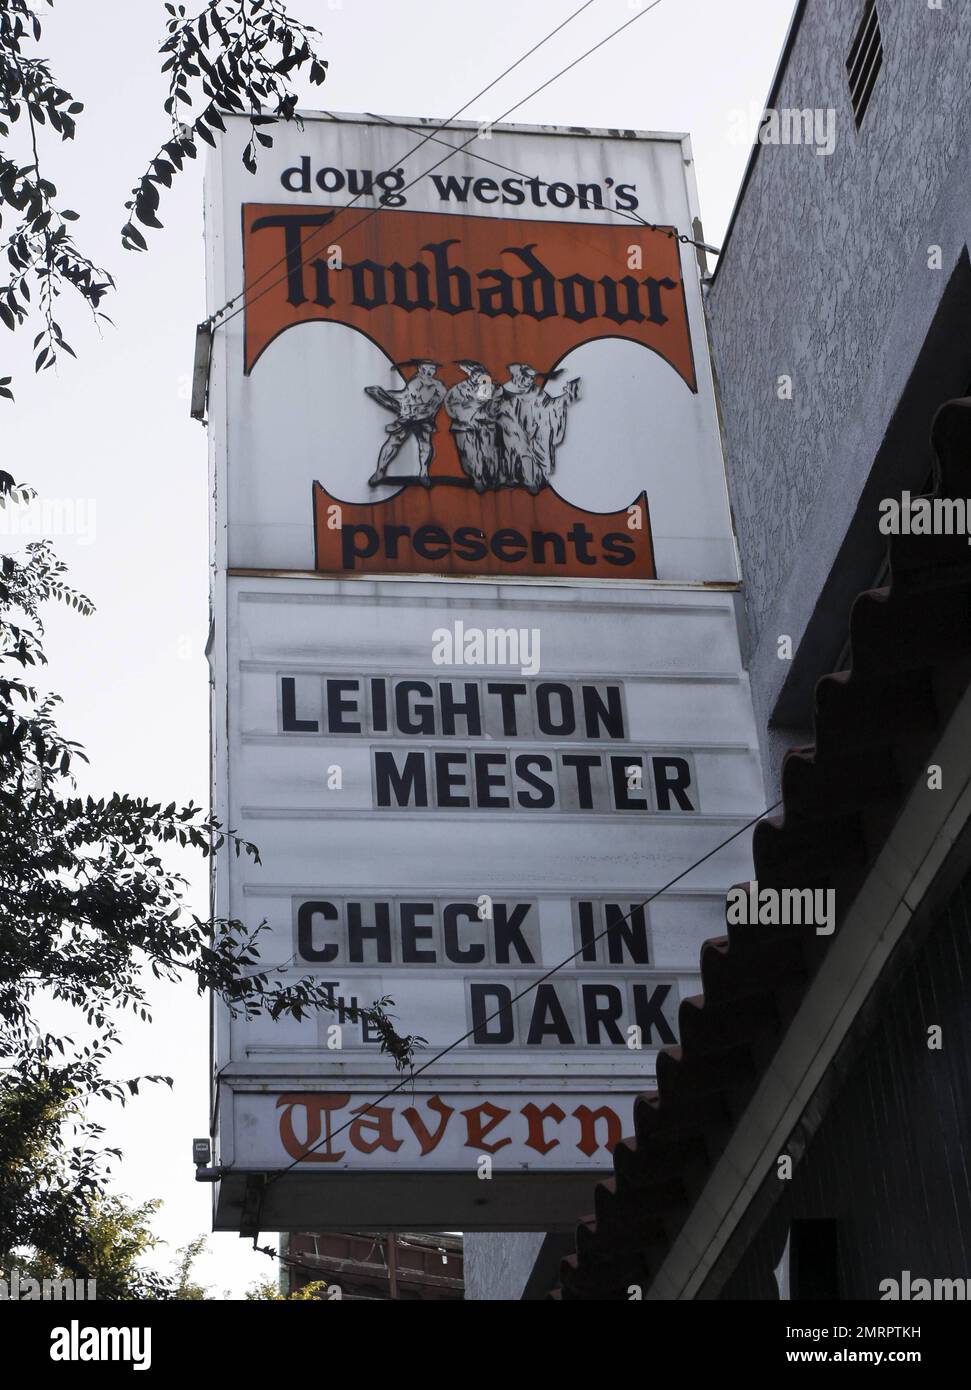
x,y
532,424
472,407
415,405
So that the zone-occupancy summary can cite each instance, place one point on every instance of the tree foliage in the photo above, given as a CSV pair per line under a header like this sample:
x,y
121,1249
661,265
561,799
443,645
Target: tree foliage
x,y
36,241
89,908
89,911
109,1240
267,1291
231,55
185,1287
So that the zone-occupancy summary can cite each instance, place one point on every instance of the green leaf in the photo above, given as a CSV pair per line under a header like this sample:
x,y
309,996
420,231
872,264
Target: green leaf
x,y
131,233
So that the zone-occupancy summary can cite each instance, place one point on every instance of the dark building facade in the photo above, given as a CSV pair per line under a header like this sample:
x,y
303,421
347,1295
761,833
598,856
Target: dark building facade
x,y
807,1138
883,1185
412,1266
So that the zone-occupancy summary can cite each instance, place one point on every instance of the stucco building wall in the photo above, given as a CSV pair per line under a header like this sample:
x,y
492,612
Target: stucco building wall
x,y
825,279
498,1266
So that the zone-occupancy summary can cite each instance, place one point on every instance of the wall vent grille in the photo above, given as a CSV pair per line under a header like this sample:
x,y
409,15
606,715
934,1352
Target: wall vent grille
x,y
865,61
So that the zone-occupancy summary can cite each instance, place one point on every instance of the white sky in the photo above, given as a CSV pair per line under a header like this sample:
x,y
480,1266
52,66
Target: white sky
x,y
112,430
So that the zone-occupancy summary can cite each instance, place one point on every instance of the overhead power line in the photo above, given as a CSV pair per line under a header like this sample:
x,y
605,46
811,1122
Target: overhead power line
x,y
222,317
508,169
424,141
534,984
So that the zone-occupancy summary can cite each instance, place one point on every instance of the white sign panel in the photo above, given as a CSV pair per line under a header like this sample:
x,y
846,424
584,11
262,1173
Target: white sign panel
x,y
464,789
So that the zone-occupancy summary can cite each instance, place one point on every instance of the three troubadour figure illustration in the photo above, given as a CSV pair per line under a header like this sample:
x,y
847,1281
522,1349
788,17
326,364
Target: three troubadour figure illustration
x,y
506,436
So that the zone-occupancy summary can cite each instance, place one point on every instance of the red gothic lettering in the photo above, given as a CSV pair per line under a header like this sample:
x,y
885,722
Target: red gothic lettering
x,y
380,1120
425,1137
478,1130
587,1143
314,1104
536,1139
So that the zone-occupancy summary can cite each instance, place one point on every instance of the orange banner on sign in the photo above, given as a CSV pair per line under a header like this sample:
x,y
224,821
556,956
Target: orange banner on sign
x,y
452,530
449,286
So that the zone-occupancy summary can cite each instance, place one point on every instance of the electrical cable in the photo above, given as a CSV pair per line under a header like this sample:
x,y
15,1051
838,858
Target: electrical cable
x,y
453,150
629,213
534,984
448,120
221,317
297,1264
